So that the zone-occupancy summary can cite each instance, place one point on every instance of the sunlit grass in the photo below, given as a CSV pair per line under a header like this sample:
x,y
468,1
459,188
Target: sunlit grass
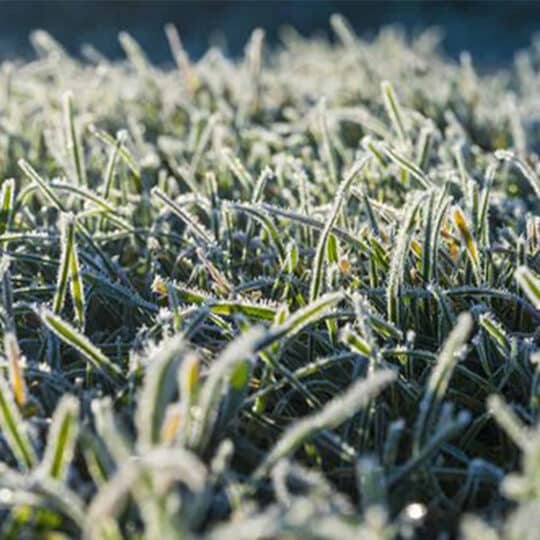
x,y
294,295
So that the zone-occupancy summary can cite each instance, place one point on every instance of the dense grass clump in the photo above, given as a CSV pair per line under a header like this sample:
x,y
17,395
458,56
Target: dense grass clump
x,y
290,296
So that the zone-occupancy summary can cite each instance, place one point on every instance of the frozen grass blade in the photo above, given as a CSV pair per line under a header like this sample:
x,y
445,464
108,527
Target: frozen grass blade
x,y
189,384
332,415
238,169
202,143
530,284
109,431
449,429
309,314
440,379
327,152
76,285
201,235
343,30
407,165
123,152
73,142
181,58
15,368
315,223
14,429
254,61
81,343
399,257
111,164
428,249
272,230
508,420
424,146
528,172
393,109
7,195
371,483
6,306
259,187
237,387
158,390
67,267
134,52
61,439
244,347
39,181
55,201
320,254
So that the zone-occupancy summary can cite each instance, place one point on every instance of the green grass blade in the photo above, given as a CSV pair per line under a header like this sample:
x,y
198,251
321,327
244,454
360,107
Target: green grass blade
x,y
334,413
67,228
73,141
393,109
440,379
320,253
159,388
202,236
15,429
244,347
530,283
71,336
7,196
61,439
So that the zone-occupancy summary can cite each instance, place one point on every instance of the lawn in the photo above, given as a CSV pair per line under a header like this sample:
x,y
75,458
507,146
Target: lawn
x,y
290,295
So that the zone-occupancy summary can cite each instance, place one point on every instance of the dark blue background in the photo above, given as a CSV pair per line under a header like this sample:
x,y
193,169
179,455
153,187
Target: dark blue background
x,y
492,31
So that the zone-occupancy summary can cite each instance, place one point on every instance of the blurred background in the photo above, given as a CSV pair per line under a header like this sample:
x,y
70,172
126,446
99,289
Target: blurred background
x,y
491,31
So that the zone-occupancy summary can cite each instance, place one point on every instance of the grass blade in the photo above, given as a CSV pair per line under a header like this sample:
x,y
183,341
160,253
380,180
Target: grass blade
x,y
300,319
14,429
334,413
15,368
530,283
318,262
158,390
73,141
242,348
440,379
61,440
393,109
68,334
196,228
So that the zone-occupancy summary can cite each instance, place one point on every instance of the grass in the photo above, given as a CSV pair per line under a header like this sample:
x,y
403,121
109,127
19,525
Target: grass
x,y
290,296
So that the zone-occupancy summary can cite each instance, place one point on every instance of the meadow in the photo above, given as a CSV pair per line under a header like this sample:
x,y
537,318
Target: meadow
x,y
289,295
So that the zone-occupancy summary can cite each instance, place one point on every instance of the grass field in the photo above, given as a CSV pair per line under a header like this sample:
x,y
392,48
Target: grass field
x,y
289,296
